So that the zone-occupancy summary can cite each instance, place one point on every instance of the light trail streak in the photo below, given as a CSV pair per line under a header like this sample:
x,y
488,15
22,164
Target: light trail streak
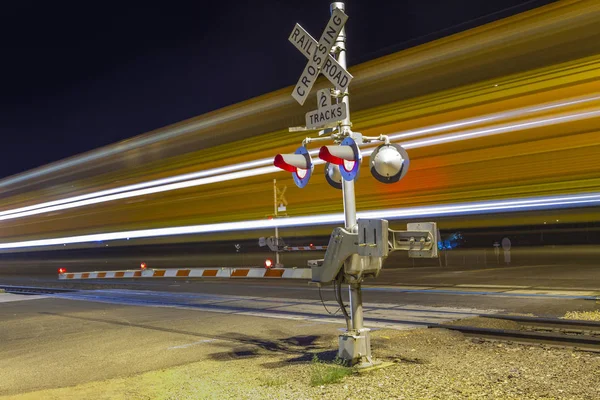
x,y
481,207
147,191
245,170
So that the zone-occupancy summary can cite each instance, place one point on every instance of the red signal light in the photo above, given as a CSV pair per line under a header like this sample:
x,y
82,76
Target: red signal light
x,y
299,164
62,270
268,263
346,156
143,265
326,154
291,164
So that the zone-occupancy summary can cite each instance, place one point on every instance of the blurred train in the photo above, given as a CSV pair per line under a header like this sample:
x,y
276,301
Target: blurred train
x,y
501,123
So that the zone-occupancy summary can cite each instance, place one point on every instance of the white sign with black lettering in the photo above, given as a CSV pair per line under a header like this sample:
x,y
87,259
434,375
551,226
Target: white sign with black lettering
x,y
320,55
323,98
332,70
326,116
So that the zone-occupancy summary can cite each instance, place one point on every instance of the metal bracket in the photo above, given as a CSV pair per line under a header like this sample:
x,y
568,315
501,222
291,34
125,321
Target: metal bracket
x,y
372,237
301,129
275,244
335,49
328,131
420,240
362,254
342,244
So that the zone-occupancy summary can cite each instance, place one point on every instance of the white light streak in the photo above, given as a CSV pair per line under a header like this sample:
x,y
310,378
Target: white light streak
x,y
501,129
147,191
481,207
157,182
263,166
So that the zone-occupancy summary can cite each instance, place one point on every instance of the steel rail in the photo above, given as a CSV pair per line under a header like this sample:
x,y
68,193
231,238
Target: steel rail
x,y
577,334
32,290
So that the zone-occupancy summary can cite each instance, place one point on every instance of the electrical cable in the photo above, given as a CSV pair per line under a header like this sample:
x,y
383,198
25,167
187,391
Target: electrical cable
x,y
340,300
324,306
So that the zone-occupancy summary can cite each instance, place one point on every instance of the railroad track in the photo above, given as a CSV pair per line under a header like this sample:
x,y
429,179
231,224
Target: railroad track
x,y
32,290
581,335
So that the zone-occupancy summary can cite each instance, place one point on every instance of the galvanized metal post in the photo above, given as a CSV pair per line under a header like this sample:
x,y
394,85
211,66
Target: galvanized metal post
x,y
347,186
275,217
355,346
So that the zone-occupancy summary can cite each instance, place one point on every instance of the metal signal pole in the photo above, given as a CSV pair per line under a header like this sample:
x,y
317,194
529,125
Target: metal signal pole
x,y
359,333
275,207
360,248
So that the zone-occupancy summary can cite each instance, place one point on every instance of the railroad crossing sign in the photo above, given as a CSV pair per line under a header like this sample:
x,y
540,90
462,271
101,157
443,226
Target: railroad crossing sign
x,y
337,75
276,244
280,197
319,59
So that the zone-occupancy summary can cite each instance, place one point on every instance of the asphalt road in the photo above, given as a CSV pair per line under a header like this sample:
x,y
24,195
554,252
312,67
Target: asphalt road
x,y
51,343
114,329
91,335
542,290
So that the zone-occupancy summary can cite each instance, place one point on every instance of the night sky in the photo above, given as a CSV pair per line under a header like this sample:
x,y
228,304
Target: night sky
x,y
78,76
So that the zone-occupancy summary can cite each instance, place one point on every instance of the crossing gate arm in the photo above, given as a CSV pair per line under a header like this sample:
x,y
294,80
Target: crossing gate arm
x,y
305,248
223,272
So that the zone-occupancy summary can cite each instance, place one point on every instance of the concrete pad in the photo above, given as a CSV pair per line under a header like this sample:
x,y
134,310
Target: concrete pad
x,y
555,292
410,287
493,286
558,288
379,315
6,297
472,289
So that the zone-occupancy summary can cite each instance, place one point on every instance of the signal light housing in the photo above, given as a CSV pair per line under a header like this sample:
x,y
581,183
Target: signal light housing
x,y
62,270
268,263
389,163
347,156
333,175
143,265
299,164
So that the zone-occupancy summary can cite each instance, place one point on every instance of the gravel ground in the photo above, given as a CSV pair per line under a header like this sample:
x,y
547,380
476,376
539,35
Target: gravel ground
x,y
482,322
428,364
583,315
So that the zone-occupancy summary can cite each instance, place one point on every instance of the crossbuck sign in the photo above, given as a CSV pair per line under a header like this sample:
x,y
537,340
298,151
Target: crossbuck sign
x,y
319,59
